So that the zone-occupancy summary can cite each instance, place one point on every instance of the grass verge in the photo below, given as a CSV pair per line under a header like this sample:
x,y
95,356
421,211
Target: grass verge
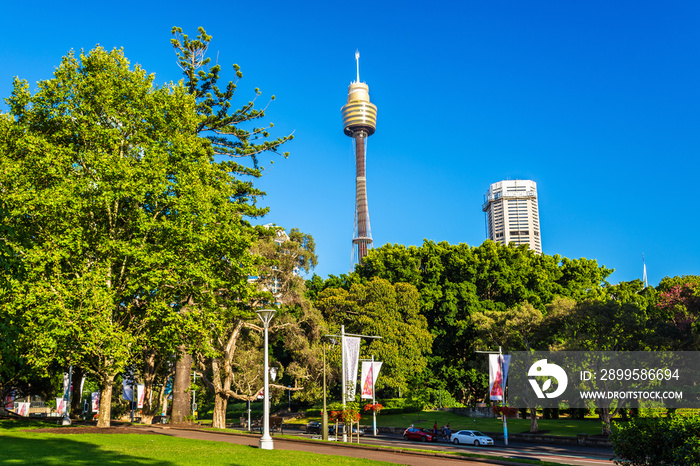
x,y
19,447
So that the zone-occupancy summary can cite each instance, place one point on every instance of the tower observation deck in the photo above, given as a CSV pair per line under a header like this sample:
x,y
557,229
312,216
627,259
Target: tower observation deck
x,y
359,122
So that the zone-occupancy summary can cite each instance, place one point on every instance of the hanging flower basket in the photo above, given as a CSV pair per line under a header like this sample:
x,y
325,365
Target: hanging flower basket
x,y
348,416
507,410
373,408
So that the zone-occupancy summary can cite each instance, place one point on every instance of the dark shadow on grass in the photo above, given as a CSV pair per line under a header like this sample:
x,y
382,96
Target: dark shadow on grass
x,y
60,451
12,424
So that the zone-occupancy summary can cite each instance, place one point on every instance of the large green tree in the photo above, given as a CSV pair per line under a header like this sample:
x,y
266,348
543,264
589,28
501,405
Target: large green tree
x,y
100,169
236,141
229,351
599,325
514,329
391,311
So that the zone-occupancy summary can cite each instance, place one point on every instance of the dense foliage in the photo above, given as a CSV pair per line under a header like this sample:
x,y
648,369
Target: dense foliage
x,y
672,441
457,282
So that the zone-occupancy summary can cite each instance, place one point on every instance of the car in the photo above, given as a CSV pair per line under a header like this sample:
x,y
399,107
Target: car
x,y
313,427
471,437
424,435
331,429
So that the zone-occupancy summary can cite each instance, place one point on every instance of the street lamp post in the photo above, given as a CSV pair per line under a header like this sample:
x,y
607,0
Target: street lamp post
x,y
194,395
266,442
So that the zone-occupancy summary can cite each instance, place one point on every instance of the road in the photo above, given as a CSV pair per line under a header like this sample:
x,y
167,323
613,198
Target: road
x,y
565,454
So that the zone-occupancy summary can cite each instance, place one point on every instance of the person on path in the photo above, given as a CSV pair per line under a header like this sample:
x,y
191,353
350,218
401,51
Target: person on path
x,y
448,432
435,429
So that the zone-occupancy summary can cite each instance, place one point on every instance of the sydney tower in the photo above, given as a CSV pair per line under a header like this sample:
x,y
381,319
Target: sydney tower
x,y
359,122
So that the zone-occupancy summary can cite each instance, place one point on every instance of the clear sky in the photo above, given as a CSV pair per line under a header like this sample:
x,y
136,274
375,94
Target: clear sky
x,y
597,101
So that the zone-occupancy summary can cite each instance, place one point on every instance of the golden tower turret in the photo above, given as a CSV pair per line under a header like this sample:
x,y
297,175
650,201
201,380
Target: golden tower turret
x,y
359,122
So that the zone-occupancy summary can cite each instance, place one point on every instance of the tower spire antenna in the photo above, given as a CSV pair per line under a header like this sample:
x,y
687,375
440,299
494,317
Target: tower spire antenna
x,y
357,59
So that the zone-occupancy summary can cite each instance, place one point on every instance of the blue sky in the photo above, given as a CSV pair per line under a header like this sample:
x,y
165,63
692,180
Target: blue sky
x,y
598,102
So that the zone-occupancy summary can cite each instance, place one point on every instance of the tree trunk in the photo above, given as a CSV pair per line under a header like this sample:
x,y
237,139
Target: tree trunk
x,y
105,414
75,396
181,387
533,420
149,376
605,418
219,419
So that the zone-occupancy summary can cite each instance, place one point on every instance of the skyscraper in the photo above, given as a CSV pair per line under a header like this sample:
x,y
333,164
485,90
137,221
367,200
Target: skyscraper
x,y
359,122
512,215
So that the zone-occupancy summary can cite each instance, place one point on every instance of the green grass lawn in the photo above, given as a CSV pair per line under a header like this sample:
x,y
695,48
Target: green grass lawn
x,y
17,447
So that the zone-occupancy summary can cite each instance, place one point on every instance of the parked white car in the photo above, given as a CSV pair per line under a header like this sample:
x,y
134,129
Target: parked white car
x,y
471,437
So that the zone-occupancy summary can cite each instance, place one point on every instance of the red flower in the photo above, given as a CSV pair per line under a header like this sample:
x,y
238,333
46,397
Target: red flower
x,y
373,407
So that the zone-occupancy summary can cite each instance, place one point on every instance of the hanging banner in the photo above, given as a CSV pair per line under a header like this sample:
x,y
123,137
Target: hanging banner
x,y
66,385
23,409
370,373
169,389
366,380
128,390
141,391
128,383
61,406
505,364
10,401
351,353
495,378
82,384
95,401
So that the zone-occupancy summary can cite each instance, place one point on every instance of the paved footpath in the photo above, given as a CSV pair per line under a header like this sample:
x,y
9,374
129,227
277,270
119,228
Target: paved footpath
x,y
336,449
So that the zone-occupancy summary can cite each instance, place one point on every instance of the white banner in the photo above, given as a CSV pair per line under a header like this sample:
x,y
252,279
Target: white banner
x,y
95,401
23,409
495,378
351,353
82,383
141,391
61,406
370,372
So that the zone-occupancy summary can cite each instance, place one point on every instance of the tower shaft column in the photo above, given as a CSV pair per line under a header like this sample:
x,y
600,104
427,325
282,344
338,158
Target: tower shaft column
x,y
361,205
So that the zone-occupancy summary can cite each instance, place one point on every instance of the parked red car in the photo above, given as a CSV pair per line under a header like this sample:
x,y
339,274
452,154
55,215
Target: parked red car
x,y
424,435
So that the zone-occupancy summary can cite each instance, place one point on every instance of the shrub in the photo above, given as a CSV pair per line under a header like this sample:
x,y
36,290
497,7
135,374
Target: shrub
x,y
658,441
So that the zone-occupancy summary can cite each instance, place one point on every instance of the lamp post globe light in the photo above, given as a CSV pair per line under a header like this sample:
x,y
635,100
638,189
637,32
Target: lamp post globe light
x,y
266,440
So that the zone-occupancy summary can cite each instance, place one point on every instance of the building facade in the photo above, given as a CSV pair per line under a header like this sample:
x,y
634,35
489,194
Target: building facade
x,y
512,215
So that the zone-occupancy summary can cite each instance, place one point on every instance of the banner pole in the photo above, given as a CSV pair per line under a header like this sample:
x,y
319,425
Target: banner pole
x,y
374,411
503,389
344,371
